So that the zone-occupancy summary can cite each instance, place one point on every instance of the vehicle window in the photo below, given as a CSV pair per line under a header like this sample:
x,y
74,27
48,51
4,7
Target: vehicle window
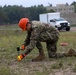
x,y
52,21
60,19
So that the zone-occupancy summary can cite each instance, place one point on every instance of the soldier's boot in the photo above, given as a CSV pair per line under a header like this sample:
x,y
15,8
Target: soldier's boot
x,y
71,52
40,57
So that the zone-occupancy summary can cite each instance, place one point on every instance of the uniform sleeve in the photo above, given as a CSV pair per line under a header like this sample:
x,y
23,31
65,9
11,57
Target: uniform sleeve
x,y
34,37
33,40
27,40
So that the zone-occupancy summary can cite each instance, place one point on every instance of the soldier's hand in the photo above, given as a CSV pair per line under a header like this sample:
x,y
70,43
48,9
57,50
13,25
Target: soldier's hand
x,y
23,47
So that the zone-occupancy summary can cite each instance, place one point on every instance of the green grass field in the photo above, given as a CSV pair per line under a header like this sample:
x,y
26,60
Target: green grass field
x,y
12,37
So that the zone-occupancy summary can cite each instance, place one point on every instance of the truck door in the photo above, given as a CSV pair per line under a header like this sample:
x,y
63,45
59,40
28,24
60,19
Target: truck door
x,y
52,22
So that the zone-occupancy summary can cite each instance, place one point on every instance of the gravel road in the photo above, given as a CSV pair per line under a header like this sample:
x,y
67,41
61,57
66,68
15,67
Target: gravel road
x,y
73,29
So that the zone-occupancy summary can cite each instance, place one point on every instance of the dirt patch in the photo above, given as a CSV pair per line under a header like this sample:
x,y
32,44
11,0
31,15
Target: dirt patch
x,y
42,68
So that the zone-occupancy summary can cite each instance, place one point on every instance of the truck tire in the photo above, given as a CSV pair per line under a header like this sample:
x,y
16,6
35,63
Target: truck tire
x,y
68,29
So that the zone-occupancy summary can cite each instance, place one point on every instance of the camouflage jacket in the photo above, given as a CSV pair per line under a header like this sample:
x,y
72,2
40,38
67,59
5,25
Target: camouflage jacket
x,y
40,32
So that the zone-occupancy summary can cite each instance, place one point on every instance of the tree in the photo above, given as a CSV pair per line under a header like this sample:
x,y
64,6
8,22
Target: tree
x,y
34,11
66,4
12,14
74,3
3,16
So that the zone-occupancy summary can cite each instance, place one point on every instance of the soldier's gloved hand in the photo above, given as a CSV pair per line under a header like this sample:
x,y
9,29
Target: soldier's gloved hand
x,y
22,47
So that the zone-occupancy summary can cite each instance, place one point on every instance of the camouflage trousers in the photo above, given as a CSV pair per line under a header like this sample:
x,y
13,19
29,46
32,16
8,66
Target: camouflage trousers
x,y
52,49
60,55
52,44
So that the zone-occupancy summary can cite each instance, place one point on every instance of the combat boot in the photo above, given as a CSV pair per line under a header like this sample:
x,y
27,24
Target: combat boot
x,y
40,57
71,52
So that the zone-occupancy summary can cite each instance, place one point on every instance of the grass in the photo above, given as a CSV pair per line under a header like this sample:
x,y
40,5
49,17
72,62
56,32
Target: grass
x,y
10,39
6,71
74,69
9,27
56,66
73,25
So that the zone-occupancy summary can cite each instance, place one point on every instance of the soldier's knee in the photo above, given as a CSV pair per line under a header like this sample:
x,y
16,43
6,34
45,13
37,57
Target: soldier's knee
x,y
52,55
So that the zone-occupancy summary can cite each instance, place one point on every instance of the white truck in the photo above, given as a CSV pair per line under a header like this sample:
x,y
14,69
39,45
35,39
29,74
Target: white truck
x,y
55,20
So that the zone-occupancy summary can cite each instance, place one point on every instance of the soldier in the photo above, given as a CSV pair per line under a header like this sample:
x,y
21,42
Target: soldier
x,y
38,32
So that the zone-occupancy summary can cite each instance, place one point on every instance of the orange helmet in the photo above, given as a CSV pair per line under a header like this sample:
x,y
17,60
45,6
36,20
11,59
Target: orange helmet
x,y
22,23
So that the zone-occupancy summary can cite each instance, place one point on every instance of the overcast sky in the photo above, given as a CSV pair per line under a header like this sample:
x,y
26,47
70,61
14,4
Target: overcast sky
x,y
28,3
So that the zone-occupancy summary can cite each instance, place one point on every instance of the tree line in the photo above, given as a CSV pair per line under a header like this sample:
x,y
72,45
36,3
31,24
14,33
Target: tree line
x,y
12,14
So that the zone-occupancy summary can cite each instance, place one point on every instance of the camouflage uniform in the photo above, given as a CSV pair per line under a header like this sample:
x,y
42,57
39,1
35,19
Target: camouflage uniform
x,y
42,32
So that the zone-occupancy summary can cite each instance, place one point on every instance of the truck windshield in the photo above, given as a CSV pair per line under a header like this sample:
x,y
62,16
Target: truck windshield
x,y
60,19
